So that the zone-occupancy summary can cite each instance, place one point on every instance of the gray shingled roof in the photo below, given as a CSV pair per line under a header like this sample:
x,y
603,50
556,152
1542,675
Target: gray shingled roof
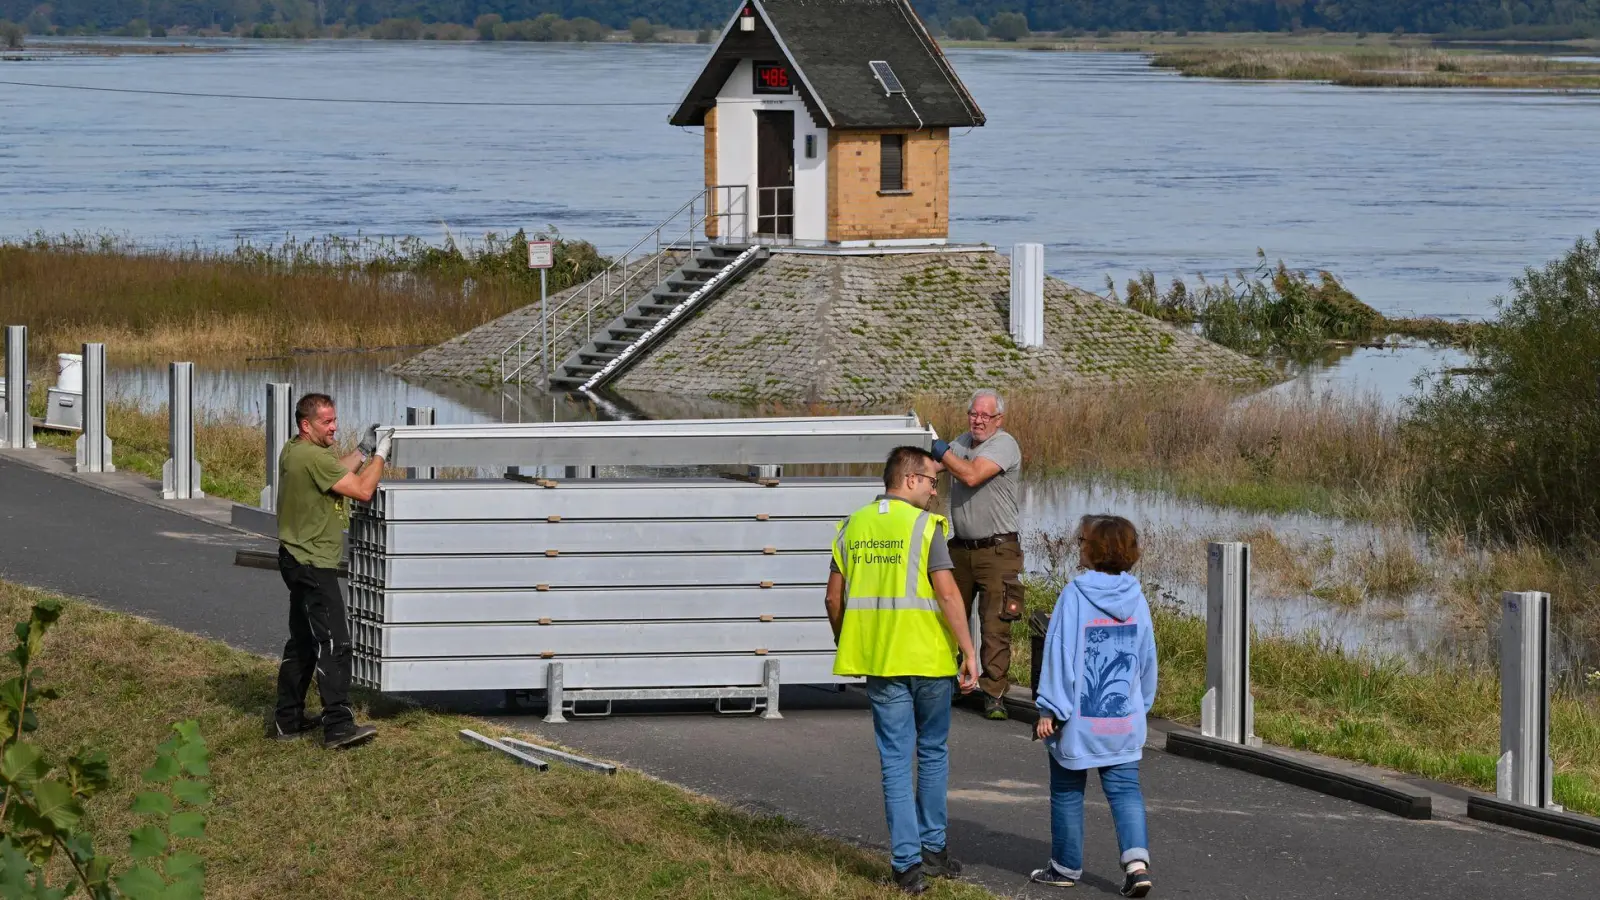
x,y
828,44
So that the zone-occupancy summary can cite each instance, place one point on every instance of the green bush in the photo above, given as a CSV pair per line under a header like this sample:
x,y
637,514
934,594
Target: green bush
x,y
1268,310
485,25
966,28
1008,26
43,809
1512,451
397,30
11,34
642,30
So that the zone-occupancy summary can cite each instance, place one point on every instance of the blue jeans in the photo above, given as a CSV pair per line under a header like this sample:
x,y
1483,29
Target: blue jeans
x,y
1121,785
911,718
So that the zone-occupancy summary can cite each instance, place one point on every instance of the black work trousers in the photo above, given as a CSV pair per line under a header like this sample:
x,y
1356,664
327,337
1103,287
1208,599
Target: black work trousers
x,y
319,644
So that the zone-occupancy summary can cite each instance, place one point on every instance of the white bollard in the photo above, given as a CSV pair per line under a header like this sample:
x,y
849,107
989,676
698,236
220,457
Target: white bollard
x,y
180,476
281,427
1027,295
419,415
1524,774
94,445
1227,711
16,426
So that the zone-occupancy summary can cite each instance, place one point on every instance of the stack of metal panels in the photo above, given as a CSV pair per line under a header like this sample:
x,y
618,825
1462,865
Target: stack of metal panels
x,y
626,583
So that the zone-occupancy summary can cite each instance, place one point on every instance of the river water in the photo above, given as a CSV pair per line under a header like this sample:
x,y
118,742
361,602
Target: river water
x,y
1424,202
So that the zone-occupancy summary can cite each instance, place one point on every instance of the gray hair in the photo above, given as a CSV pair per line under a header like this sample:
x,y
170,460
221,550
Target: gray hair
x,y
999,401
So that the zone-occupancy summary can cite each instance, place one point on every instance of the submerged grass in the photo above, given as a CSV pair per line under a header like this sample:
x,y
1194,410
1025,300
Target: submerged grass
x,y
1439,720
180,303
417,813
1383,67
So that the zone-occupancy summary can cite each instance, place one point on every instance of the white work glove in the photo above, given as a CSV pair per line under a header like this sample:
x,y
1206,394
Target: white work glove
x,y
385,439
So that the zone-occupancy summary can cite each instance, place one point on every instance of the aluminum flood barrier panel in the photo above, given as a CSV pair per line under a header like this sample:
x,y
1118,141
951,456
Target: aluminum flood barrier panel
x,y
1524,773
596,590
280,429
1227,711
94,445
180,475
16,425
694,442
419,415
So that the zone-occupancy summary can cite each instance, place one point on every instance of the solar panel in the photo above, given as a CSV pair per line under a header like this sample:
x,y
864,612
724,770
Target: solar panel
x,y
886,77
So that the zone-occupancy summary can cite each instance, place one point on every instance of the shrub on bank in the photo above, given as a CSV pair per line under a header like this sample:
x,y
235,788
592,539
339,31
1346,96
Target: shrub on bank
x,y
1512,451
1268,310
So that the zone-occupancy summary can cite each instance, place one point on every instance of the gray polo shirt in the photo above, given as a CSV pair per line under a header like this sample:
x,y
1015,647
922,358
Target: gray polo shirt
x,y
990,508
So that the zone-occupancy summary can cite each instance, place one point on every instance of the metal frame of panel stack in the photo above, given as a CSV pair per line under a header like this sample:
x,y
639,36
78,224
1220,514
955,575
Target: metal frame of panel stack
x,y
596,590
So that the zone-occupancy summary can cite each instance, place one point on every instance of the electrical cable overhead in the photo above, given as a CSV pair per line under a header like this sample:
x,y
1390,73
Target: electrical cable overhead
x,y
380,101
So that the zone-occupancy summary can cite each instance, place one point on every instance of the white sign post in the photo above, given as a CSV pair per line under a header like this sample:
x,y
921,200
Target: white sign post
x,y
542,256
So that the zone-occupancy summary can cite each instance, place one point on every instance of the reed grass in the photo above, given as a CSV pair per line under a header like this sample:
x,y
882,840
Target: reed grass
x,y
1326,454
323,294
1373,67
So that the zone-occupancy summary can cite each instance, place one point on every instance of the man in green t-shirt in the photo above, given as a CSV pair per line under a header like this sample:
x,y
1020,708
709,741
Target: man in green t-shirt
x,y
313,485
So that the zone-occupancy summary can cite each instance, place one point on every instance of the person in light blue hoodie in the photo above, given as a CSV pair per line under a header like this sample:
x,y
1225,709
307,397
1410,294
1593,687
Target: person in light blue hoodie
x,y
1096,686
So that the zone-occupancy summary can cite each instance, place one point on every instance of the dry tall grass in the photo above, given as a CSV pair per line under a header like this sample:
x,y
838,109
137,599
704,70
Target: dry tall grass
x,y
1326,454
1383,68
203,303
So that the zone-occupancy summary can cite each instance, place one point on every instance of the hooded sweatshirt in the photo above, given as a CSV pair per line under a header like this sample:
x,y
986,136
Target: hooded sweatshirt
x,y
1098,679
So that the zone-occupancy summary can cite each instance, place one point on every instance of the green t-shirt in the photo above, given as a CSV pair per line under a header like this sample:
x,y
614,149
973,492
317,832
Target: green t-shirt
x,y
311,517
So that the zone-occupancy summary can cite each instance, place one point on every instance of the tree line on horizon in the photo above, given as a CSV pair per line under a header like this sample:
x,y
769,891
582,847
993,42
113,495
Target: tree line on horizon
x,y
969,19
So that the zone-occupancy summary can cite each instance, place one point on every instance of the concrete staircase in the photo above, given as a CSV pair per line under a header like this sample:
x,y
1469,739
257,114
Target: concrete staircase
x,y
618,343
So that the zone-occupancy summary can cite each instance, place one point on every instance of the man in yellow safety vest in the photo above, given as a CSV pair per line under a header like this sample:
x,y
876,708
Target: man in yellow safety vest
x,y
898,619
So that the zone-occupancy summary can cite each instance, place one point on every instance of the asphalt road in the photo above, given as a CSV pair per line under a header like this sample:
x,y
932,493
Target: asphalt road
x,y
1215,832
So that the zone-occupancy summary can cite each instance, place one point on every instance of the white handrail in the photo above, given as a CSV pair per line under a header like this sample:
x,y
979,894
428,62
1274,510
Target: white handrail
x,y
626,272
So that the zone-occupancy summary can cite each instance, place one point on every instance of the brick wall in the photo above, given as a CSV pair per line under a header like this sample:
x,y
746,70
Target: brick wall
x,y
858,211
711,171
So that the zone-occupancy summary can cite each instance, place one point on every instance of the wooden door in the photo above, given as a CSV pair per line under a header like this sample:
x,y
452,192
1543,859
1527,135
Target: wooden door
x,y
775,173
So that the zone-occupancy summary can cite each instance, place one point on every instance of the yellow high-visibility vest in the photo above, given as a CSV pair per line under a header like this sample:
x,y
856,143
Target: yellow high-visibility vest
x,y
892,621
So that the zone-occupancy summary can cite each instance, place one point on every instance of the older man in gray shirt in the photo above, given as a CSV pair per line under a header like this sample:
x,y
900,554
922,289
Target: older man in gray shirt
x,y
985,467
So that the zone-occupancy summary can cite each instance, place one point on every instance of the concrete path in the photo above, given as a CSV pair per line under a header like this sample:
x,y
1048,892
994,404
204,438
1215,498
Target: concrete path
x,y
1215,832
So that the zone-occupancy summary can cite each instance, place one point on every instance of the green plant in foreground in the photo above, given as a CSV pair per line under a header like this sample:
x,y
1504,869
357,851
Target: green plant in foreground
x,y
43,807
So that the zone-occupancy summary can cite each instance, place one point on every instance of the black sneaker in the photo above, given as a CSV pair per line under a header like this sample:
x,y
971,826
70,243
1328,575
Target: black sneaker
x,y
346,735
994,708
940,864
1137,884
1052,876
304,728
911,880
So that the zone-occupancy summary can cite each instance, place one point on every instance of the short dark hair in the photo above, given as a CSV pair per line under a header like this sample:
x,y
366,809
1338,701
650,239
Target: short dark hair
x,y
903,461
308,406
1110,543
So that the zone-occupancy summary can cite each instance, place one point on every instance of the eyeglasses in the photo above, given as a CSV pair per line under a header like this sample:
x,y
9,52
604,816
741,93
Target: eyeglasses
x,y
983,417
932,479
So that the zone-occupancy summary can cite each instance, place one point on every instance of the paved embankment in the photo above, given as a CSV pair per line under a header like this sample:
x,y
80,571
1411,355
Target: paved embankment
x,y
1215,832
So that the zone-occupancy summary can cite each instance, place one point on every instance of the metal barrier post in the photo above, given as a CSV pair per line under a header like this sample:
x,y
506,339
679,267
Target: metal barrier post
x,y
94,445
1228,711
17,430
280,428
1524,773
420,415
553,694
180,475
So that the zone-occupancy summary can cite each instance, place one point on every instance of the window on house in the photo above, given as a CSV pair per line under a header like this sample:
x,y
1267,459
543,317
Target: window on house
x,y
891,165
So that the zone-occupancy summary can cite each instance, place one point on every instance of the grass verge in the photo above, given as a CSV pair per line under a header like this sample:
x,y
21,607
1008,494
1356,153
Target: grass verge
x,y
1440,721
231,448
416,814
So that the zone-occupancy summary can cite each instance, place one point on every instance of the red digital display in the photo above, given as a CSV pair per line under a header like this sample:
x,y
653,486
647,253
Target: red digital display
x,y
772,78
